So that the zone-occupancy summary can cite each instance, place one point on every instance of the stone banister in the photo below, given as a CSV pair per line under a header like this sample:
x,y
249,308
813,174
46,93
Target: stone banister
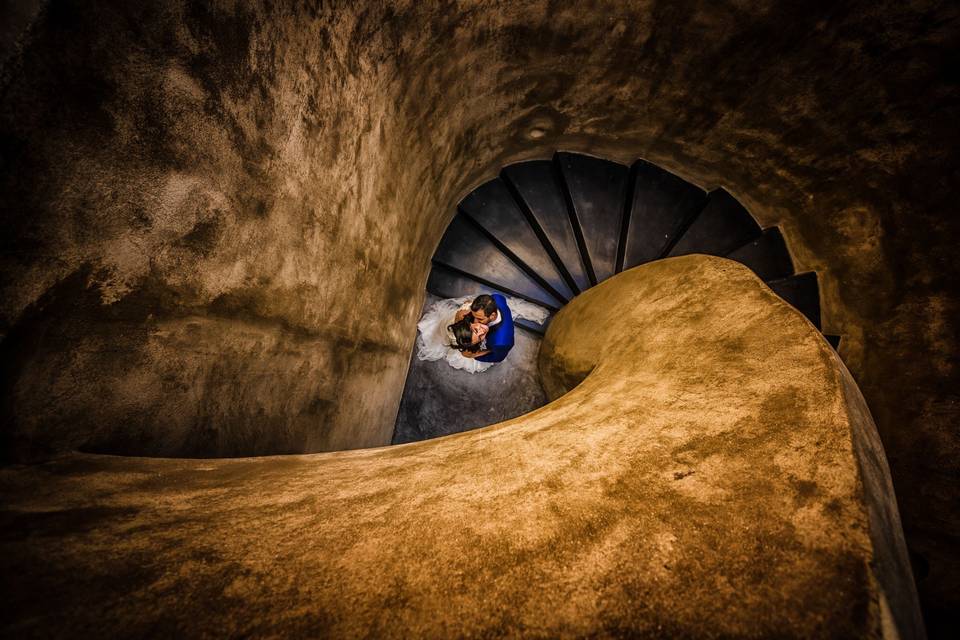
x,y
707,468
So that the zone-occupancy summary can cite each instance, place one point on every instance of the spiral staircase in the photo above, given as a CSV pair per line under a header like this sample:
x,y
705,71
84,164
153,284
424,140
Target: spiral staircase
x,y
547,230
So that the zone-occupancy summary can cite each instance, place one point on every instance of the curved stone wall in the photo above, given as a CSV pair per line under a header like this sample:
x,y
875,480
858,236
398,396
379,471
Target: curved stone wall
x,y
218,220
701,480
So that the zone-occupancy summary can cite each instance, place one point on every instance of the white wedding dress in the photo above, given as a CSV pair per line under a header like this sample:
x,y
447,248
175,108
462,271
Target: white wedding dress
x,y
433,341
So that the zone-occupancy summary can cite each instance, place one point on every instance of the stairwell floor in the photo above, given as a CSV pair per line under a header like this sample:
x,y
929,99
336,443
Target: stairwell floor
x,y
439,400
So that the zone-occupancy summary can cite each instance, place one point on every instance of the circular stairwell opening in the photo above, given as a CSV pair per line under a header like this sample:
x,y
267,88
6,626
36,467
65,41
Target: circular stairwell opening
x,y
546,230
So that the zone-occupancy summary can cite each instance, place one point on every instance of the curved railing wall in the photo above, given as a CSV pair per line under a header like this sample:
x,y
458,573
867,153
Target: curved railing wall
x,y
707,469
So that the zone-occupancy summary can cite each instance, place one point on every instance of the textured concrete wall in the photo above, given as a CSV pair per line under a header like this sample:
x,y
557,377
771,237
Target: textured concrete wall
x,y
218,216
701,482
216,235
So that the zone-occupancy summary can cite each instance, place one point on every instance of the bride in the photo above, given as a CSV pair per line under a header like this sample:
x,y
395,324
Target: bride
x,y
436,341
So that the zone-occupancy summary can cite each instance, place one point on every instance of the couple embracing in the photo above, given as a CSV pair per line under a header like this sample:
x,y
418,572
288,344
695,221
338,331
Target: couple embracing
x,y
472,334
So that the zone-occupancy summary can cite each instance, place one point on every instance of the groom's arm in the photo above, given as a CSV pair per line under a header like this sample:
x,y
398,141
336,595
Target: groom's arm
x,y
497,354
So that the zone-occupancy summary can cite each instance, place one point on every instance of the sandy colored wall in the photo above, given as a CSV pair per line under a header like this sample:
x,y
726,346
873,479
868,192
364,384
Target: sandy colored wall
x,y
217,245
218,221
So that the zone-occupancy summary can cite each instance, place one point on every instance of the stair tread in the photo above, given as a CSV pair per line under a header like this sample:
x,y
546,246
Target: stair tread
x,y
662,203
802,291
767,255
494,208
536,185
597,190
465,248
722,226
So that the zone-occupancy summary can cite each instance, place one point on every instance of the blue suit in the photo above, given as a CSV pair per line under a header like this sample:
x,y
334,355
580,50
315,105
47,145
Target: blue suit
x,y
500,336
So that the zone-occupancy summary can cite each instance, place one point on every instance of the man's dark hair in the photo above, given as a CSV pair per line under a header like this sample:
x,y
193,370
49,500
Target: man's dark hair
x,y
485,303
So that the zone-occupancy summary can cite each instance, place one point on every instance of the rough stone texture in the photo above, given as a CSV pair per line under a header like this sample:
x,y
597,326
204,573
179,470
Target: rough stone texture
x,y
439,400
700,481
187,270
218,216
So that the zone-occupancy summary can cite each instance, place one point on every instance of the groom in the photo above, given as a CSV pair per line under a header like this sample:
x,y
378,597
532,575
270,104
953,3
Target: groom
x,y
492,311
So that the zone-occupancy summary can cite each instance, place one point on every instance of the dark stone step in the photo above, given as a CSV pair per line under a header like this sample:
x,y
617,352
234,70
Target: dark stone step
x,y
545,230
767,255
448,283
803,292
537,329
467,249
722,226
596,190
663,204
493,207
534,185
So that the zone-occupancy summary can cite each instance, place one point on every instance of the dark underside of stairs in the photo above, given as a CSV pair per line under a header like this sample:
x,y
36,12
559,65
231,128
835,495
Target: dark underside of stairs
x,y
546,230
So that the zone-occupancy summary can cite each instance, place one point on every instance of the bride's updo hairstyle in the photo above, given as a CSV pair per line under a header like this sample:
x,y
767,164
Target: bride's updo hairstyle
x,y
463,335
